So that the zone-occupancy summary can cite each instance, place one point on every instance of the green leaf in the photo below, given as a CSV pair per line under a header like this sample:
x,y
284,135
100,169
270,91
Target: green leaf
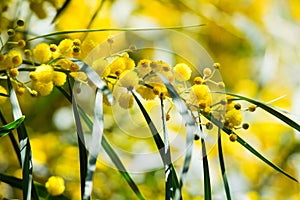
x,y
270,110
191,129
12,139
83,157
158,141
42,191
25,148
222,165
114,157
12,181
4,130
261,157
250,148
109,150
207,187
113,29
167,156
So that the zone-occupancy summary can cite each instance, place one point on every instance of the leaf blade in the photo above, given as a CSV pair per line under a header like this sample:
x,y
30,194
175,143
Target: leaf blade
x,y
270,110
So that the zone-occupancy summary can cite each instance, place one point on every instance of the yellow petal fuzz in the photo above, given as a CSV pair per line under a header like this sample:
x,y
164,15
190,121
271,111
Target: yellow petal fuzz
x,y
200,95
233,118
144,67
43,88
12,59
42,53
55,185
129,80
182,72
59,78
43,73
65,47
120,64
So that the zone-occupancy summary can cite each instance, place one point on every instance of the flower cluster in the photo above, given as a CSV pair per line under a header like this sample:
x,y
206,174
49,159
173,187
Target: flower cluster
x,y
55,185
49,63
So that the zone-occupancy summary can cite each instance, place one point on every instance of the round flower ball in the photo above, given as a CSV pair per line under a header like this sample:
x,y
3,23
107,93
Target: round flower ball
x,y
55,185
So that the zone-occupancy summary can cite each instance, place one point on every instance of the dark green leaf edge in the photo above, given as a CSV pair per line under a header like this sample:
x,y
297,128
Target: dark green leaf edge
x,y
158,141
25,148
167,156
12,139
222,165
4,130
191,129
250,148
270,110
113,29
109,150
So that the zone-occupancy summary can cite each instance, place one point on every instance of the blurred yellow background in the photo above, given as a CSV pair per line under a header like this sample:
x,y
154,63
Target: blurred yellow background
x,y
257,45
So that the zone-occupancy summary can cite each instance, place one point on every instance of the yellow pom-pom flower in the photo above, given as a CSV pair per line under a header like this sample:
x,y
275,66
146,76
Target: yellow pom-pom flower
x,y
59,78
3,98
43,88
42,53
55,185
86,47
65,47
12,59
233,118
200,95
128,62
14,72
64,63
182,72
43,73
125,100
143,67
120,64
129,80
146,92
160,90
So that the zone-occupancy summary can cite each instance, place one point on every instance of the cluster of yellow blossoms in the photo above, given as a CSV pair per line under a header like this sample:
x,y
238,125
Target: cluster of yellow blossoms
x,y
50,63
55,63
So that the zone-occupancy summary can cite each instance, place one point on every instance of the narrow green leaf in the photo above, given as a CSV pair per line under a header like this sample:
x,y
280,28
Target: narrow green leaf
x,y
158,141
12,139
191,129
4,130
250,148
43,193
114,157
113,29
109,150
257,154
25,148
97,133
270,110
167,156
12,181
207,187
83,158
222,165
